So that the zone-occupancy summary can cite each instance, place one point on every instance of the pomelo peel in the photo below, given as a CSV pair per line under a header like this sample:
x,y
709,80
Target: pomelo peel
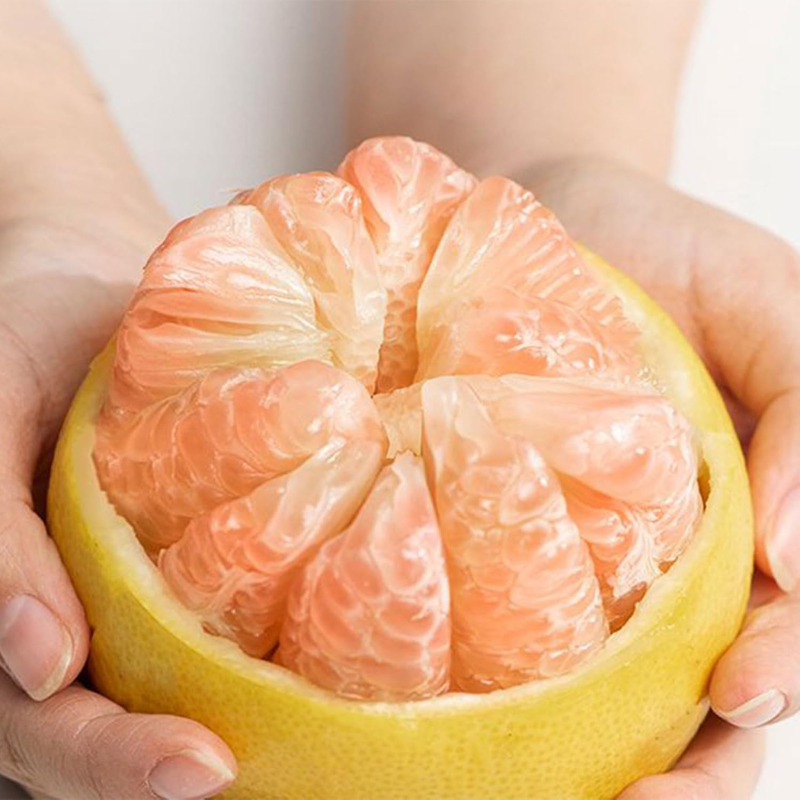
x,y
628,712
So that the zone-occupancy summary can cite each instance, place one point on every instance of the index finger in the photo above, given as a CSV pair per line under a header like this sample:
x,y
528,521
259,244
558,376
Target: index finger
x,y
757,680
78,744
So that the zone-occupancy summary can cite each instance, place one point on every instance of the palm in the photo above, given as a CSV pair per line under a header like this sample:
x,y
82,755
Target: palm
x,y
61,294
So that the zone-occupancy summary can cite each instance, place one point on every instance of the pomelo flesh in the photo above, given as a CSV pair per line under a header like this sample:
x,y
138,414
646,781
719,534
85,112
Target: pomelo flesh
x,y
410,190
241,446
234,564
369,617
222,437
500,332
526,603
627,465
317,218
627,712
219,292
506,253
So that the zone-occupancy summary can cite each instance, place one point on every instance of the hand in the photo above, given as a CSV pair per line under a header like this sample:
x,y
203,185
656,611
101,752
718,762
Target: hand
x,y
733,289
63,285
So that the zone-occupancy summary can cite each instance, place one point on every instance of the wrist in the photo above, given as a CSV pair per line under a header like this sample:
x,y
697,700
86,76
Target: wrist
x,y
62,159
71,164
107,218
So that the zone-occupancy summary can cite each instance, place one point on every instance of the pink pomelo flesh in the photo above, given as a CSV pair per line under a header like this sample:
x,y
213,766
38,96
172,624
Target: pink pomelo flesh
x,y
389,429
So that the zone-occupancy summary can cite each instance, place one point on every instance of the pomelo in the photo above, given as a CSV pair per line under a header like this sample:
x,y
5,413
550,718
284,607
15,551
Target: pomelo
x,y
220,472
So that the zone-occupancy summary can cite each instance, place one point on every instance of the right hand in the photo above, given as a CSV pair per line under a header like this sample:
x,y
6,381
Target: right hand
x,y
733,289
63,286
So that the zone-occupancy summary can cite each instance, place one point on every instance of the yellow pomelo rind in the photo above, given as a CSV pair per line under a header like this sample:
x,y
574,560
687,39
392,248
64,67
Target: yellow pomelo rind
x,y
629,712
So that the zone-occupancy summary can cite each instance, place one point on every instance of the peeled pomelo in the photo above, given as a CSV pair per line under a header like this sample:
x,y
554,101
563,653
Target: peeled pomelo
x,y
541,516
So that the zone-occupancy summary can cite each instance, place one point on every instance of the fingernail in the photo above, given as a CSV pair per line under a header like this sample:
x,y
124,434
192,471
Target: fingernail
x,y
783,543
762,709
34,646
189,775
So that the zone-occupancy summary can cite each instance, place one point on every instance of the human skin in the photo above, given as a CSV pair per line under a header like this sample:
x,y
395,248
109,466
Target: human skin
x,y
77,222
576,100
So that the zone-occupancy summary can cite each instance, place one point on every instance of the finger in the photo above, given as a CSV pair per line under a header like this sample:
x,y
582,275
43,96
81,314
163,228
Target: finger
x,y
43,632
754,333
774,466
722,763
758,679
78,744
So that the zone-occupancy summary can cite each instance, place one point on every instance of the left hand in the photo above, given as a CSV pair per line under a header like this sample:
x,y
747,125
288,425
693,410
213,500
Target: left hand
x,y
64,282
733,289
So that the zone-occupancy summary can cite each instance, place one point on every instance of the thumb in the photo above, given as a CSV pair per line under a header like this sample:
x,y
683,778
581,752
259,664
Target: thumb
x,y
44,636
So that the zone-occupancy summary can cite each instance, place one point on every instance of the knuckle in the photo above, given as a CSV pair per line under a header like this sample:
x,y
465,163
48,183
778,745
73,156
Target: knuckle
x,y
790,257
24,556
110,739
16,758
71,757
67,743
22,386
781,260
702,785
769,249
13,517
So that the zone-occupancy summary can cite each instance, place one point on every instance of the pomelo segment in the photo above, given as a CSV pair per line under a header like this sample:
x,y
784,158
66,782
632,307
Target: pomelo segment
x,y
318,220
502,241
633,536
233,565
410,190
369,617
631,545
218,292
526,603
626,442
502,332
223,437
628,465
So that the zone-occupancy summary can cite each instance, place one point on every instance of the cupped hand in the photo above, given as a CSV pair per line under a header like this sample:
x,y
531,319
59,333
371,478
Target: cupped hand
x,y
734,290
64,281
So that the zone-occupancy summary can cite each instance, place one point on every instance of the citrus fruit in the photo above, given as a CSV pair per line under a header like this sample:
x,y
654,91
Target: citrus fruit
x,y
507,291
174,331
370,617
526,603
318,221
404,495
409,191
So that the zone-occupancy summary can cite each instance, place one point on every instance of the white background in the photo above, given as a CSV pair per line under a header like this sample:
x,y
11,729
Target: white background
x,y
218,94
